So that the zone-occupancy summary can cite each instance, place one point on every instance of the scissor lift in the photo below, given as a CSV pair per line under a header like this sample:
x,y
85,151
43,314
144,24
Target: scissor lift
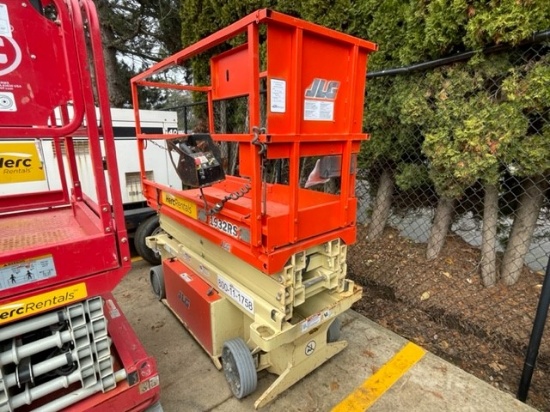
x,y
64,342
256,269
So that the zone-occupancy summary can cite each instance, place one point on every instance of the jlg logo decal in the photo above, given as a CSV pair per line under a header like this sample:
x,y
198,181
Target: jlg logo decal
x,y
323,89
319,100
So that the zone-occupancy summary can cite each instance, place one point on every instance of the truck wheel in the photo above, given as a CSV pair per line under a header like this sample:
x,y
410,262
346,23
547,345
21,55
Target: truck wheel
x,y
156,276
333,332
156,407
150,227
238,368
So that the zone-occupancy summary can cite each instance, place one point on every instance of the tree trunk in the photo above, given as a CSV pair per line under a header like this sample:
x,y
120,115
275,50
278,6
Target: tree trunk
x,y
117,86
488,243
382,206
440,227
530,203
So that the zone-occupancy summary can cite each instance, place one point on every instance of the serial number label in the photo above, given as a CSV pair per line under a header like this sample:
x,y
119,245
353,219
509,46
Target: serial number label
x,y
236,294
224,226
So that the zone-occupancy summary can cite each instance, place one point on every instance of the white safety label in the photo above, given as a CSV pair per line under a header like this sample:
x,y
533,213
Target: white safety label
x,y
311,322
236,294
318,110
113,310
26,271
277,93
7,102
186,277
149,384
5,26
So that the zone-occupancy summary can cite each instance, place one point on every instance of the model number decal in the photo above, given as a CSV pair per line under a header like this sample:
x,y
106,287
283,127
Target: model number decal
x,y
224,226
236,294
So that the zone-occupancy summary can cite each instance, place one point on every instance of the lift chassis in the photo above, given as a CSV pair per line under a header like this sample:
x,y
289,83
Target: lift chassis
x,y
254,260
287,339
64,341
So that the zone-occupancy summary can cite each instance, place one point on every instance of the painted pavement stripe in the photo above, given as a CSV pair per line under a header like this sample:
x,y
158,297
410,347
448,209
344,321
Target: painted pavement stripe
x,y
136,259
374,387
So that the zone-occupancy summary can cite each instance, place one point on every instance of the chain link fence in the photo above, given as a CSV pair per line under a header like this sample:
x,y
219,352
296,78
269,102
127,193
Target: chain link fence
x,y
453,221
453,208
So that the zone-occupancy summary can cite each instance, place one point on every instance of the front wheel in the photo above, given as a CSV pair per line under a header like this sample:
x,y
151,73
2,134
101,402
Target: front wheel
x,y
150,227
238,368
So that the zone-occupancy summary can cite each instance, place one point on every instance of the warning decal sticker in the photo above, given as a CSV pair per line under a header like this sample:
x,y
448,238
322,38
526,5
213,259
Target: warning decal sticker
x,y
319,99
26,271
277,96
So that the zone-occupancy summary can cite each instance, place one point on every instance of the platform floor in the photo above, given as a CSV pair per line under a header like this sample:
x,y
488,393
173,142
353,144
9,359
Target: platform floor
x,y
378,371
56,226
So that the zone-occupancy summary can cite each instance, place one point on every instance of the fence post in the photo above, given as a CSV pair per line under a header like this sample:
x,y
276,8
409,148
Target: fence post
x,y
185,119
536,336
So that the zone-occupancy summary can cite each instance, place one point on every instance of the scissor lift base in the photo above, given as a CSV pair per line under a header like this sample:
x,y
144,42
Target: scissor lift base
x,y
291,349
295,371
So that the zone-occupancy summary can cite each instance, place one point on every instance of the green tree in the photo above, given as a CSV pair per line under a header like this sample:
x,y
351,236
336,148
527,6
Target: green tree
x,y
135,34
472,131
451,127
528,157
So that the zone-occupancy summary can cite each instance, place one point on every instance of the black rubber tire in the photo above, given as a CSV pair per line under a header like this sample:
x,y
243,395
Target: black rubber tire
x,y
156,276
156,407
333,332
149,227
238,368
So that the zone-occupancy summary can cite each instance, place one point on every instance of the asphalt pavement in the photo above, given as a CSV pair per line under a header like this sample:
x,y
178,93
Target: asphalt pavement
x,y
378,371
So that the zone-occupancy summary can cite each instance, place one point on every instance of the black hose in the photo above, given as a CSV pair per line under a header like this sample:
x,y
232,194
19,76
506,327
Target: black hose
x,y
536,38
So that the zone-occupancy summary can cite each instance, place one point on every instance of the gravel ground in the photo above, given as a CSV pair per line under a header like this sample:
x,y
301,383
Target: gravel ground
x,y
442,305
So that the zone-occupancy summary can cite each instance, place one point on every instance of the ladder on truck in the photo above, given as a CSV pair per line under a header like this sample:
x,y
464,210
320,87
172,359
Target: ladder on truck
x,y
254,263
64,341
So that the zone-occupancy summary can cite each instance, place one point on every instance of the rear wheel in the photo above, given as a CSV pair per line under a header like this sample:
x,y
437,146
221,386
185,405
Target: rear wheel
x,y
333,332
150,227
156,276
156,407
238,367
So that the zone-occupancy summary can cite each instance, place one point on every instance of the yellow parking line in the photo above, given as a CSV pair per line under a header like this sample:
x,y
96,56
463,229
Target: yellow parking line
x,y
136,259
374,387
